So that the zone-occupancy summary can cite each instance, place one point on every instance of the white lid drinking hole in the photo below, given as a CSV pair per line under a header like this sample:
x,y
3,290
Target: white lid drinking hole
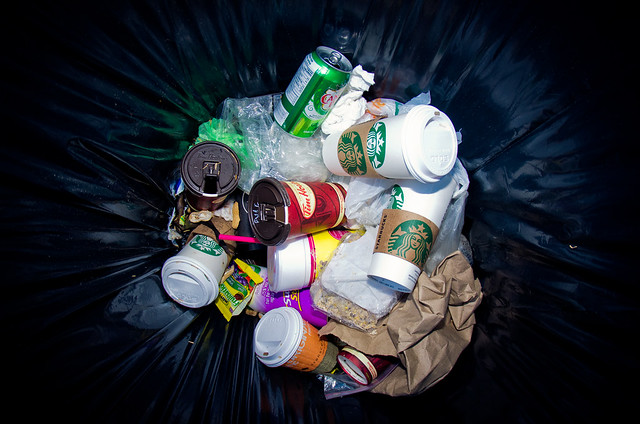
x,y
430,145
277,336
189,283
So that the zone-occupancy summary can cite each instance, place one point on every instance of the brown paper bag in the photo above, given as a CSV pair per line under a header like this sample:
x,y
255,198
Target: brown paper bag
x,y
427,331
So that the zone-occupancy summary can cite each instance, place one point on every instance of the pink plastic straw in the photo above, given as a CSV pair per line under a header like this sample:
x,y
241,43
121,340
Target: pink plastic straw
x,y
239,238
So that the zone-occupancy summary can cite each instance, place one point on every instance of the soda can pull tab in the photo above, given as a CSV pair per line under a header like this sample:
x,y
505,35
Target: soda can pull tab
x,y
334,59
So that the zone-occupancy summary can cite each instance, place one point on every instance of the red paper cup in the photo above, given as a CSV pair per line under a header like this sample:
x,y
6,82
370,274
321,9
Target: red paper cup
x,y
281,210
360,367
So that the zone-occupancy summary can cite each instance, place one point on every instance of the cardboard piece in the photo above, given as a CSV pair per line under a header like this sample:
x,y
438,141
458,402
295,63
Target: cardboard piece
x,y
427,331
223,227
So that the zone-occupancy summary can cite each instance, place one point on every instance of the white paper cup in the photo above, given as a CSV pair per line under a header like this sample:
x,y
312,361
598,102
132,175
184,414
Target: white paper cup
x,y
420,145
283,338
192,277
295,264
408,230
289,265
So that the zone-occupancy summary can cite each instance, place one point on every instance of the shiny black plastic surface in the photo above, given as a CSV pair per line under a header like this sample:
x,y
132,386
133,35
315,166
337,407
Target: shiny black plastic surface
x,y
100,100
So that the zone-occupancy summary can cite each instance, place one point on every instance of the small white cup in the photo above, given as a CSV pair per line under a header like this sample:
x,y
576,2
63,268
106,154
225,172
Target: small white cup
x,y
192,277
295,264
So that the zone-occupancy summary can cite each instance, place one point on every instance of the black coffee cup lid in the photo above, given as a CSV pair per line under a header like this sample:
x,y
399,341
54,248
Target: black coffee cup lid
x,y
210,169
268,203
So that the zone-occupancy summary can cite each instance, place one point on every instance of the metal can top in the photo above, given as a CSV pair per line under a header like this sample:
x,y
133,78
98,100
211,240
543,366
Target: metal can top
x,y
210,169
334,59
268,209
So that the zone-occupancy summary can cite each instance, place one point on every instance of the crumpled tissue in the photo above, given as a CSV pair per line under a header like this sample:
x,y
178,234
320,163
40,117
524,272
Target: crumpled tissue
x,y
351,106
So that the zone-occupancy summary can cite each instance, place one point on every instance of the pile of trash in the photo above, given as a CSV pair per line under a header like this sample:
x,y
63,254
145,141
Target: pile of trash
x,y
336,220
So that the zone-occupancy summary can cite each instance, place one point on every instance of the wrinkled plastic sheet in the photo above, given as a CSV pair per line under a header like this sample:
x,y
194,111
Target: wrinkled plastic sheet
x,y
100,101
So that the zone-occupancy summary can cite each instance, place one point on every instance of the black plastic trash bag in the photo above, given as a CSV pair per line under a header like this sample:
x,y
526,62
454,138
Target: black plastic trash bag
x,y
100,101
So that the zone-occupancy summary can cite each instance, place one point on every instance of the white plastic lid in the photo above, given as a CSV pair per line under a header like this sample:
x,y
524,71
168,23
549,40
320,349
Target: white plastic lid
x,y
188,283
430,145
277,336
289,265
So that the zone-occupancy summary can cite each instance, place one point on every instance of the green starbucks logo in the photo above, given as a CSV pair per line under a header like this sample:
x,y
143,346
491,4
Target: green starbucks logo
x,y
411,240
376,144
397,197
351,155
206,245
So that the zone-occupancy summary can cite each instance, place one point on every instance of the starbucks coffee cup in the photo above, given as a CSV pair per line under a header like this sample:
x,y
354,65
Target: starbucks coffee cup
x,y
283,338
420,145
192,277
407,231
295,264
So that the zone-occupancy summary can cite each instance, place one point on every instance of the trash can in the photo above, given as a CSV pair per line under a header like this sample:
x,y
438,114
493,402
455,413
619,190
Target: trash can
x,y
100,101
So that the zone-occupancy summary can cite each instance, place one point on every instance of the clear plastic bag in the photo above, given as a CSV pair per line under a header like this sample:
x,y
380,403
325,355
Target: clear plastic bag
x,y
344,292
365,200
292,158
450,232
250,119
265,150
340,384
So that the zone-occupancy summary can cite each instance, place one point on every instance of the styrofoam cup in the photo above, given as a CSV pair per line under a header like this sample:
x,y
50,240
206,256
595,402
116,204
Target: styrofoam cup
x,y
192,277
407,231
421,145
283,338
295,264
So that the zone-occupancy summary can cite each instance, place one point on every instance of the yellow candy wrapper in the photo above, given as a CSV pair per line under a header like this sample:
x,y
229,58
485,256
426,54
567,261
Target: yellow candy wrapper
x,y
237,287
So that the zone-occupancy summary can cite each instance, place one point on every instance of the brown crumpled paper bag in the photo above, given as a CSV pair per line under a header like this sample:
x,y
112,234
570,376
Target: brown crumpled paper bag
x,y
427,331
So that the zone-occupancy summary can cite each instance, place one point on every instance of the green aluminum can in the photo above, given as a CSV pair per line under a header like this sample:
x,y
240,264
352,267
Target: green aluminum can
x,y
312,92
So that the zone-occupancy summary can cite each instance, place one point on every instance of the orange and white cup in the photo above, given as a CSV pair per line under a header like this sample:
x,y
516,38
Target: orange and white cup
x,y
283,338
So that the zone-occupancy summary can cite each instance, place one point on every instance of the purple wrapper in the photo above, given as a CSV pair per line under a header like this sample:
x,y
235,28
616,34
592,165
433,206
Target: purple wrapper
x,y
264,300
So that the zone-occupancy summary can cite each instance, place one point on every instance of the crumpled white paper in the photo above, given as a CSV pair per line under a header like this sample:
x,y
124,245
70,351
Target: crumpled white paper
x,y
351,105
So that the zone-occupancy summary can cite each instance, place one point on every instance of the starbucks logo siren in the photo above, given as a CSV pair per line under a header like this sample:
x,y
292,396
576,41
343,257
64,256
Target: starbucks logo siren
x,y
206,245
350,154
376,144
397,197
411,240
